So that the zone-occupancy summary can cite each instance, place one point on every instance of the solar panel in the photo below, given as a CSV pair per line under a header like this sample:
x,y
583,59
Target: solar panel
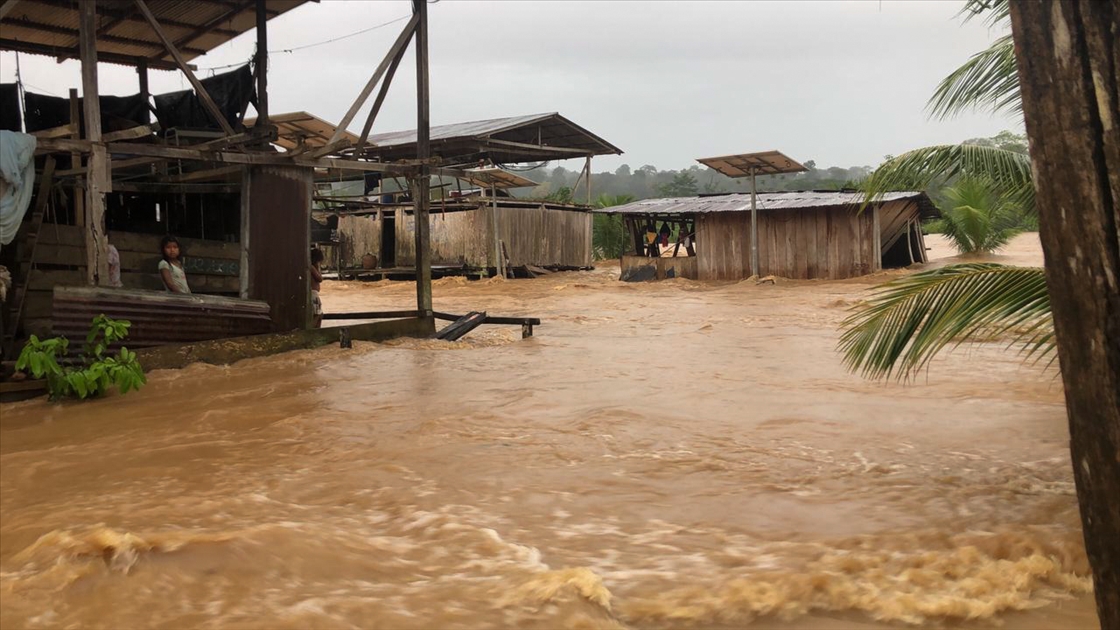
x,y
764,163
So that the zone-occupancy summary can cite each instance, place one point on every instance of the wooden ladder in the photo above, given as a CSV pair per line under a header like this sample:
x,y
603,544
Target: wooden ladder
x,y
31,238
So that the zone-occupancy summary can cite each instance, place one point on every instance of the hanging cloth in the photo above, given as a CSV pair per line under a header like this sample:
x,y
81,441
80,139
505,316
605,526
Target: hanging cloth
x,y
17,172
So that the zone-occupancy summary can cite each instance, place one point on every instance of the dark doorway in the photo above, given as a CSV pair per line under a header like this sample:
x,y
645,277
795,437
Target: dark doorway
x,y
388,242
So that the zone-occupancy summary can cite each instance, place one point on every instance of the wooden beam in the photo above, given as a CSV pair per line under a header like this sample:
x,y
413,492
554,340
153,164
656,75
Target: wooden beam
x,y
62,131
262,64
62,53
400,44
537,147
419,23
378,102
99,182
70,32
6,8
195,176
76,158
203,95
142,83
139,131
56,145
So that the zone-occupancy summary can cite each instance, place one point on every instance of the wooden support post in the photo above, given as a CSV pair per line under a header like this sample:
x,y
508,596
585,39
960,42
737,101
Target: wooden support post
x,y
262,63
754,226
499,259
587,170
203,95
398,46
877,239
76,158
243,271
423,152
97,179
142,79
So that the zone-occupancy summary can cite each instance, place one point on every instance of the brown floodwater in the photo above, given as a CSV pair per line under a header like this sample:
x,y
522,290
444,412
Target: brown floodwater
x,y
663,455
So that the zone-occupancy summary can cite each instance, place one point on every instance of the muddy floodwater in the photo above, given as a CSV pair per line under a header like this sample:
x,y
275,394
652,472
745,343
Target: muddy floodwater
x,y
662,455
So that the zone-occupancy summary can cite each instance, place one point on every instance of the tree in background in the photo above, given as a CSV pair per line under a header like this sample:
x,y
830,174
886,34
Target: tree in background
x,y
608,235
683,184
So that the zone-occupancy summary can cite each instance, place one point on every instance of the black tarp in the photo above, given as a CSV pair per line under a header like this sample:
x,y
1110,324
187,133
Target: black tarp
x,y
230,91
117,112
9,106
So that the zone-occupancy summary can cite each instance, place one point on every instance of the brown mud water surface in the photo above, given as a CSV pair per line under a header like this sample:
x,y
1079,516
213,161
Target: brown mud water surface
x,y
663,455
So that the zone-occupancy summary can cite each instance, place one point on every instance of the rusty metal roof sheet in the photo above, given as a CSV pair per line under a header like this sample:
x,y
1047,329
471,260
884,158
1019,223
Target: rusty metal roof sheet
x,y
50,27
157,318
514,139
772,201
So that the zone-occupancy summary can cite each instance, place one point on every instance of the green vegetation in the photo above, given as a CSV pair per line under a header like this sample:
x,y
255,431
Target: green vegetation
x,y
986,191
976,219
908,321
607,236
96,373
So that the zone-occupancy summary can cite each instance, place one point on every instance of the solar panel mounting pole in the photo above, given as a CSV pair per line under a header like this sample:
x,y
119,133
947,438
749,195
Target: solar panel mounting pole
x,y
754,226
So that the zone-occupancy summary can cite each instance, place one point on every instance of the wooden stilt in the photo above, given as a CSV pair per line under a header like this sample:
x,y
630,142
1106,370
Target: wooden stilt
x,y
98,181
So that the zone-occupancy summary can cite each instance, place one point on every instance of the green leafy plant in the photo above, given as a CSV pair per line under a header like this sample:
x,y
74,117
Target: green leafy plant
x,y
607,232
907,322
95,374
977,219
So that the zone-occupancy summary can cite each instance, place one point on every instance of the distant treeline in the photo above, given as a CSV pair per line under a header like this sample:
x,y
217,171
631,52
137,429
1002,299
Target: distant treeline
x,y
648,182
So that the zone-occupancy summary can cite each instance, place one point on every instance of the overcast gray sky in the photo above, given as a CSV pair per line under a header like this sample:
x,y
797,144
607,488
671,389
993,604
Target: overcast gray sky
x,y
843,83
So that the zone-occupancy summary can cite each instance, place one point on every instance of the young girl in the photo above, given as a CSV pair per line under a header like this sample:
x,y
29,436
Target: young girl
x,y
171,267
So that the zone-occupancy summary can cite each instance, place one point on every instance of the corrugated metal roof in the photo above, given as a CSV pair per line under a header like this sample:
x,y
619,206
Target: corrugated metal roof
x,y
50,27
741,202
473,129
529,138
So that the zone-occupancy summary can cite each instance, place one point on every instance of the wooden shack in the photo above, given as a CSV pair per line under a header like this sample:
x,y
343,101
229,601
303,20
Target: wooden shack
x,y
801,235
481,228
106,174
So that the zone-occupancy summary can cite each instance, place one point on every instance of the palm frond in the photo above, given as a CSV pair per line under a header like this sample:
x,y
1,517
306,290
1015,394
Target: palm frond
x,y
908,321
1008,172
995,11
988,81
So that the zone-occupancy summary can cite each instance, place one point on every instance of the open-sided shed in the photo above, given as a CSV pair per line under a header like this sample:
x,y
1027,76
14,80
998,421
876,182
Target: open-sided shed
x,y
801,235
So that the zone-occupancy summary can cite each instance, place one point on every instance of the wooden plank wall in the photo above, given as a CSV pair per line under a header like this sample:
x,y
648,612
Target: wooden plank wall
x,y
457,238
800,244
542,237
358,235
60,259
533,236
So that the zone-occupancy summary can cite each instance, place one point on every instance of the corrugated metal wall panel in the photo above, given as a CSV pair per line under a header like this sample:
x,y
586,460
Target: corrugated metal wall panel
x,y
279,202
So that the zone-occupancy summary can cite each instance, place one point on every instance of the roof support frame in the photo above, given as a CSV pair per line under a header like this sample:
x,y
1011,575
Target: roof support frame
x,y
203,95
399,45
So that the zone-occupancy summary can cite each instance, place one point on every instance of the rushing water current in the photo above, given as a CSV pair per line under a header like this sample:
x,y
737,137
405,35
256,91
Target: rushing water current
x,y
662,455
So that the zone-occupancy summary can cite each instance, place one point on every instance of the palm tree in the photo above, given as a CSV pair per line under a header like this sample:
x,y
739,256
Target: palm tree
x,y
908,321
976,219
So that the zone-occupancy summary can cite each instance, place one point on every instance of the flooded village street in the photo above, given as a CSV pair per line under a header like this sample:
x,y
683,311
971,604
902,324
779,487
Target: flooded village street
x,y
672,454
